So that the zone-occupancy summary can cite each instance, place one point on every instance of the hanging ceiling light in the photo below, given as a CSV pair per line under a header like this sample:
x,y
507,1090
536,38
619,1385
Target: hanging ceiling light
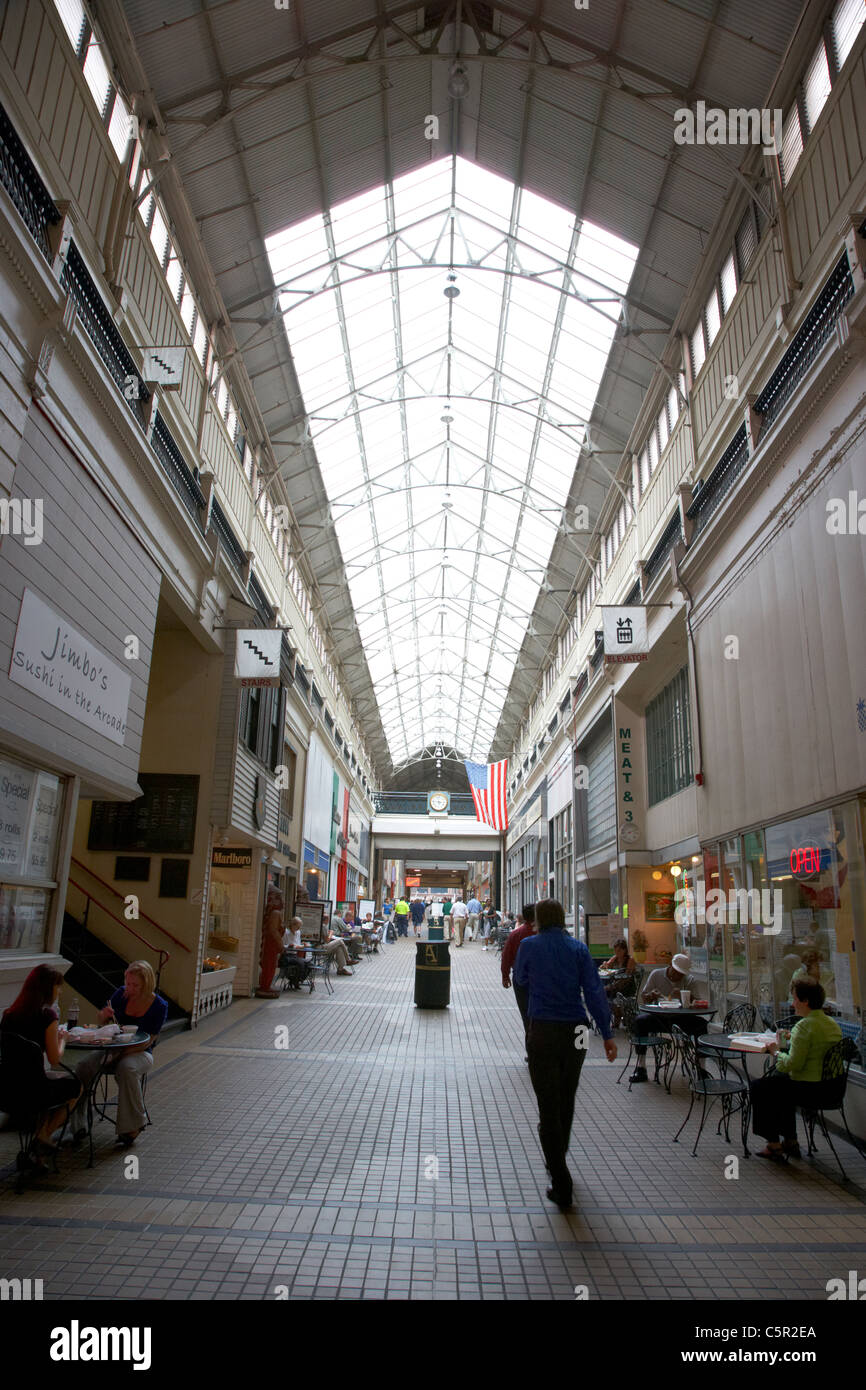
x,y
458,82
451,291
676,870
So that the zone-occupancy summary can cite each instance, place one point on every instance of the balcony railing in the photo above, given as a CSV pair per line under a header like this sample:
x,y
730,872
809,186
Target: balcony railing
x,y
20,178
719,482
668,539
415,804
105,335
232,546
180,474
259,600
817,327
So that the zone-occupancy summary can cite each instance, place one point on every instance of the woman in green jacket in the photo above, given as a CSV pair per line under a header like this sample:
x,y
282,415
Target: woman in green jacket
x,y
775,1097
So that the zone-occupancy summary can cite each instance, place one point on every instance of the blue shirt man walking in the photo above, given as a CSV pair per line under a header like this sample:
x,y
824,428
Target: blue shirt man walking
x,y
562,982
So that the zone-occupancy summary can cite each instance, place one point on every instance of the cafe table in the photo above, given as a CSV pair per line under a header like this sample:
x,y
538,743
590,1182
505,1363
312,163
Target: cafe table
x,y
660,1011
105,1048
725,1048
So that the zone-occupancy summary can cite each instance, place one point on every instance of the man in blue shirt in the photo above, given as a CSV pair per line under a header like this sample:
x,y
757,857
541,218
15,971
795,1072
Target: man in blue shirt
x,y
473,907
562,982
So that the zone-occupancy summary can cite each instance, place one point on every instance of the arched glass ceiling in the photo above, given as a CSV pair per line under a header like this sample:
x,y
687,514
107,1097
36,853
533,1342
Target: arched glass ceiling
x,y
447,427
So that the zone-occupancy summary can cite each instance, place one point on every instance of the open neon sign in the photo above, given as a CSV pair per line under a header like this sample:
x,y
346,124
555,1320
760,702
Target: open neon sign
x,y
805,860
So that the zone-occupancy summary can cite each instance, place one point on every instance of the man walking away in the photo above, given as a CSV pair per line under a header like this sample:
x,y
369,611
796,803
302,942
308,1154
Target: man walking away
x,y
459,918
417,910
401,916
446,918
525,927
563,982
473,907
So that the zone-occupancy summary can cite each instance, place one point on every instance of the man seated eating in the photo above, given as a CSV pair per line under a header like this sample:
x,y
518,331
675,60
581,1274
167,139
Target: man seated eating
x,y
666,982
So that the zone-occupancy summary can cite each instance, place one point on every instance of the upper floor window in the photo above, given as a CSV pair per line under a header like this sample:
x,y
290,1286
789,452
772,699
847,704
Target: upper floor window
x,y
792,143
846,22
728,282
699,351
73,19
816,85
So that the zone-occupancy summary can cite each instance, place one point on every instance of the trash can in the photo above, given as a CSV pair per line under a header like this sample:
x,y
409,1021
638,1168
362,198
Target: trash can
x,y
432,975
435,933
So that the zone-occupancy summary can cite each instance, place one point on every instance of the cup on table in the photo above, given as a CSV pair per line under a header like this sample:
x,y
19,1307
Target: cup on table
x,y
685,997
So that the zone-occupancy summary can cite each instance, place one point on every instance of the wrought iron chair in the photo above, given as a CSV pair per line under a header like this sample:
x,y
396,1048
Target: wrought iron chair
x,y
711,1089
660,1044
22,1076
320,967
830,1095
740,1019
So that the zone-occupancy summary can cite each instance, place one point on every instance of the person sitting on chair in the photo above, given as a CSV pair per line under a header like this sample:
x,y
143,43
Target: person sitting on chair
x,y
335,947
623,982
775,1097
665,983
33,1015
135,1002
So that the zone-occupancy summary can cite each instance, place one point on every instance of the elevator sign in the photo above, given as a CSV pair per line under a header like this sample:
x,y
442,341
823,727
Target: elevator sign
x,y
625,634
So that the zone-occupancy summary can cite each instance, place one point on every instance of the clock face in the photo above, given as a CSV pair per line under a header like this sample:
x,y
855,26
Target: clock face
x,y
438,801
630,834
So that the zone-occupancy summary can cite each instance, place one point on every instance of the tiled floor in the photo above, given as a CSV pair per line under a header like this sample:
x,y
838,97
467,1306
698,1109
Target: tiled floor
x,y
390,1152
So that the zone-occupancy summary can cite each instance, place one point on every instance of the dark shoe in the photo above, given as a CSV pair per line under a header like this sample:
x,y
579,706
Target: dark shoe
x,y
77,1139
774,1155
638,1075
562,1200
791,1148
127,1140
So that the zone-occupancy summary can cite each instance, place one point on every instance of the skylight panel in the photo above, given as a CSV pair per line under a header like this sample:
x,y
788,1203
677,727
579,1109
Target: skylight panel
x,y
460,515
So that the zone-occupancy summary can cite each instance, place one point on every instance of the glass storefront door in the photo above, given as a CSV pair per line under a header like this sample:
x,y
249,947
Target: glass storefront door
x,y
759,939
714,943
732,878
817,864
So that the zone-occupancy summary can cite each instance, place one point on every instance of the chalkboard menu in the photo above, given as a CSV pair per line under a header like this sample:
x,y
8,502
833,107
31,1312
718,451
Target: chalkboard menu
x,y
162,821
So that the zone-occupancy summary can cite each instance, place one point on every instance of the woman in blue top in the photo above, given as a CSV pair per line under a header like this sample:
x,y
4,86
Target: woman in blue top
x,y
136,1002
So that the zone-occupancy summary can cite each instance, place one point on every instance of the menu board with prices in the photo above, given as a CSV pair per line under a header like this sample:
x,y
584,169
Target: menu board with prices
x,y
161,821
31,803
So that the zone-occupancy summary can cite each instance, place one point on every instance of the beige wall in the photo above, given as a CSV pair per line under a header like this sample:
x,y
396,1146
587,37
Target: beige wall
x,y
179,726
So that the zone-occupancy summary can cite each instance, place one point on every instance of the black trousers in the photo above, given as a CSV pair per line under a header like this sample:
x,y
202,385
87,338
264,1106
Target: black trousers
x,y
554,1070
521,995
655,1023
774,1104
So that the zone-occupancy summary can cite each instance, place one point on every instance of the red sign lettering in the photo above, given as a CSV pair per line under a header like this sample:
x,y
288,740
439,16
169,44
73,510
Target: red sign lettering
x,y
805,861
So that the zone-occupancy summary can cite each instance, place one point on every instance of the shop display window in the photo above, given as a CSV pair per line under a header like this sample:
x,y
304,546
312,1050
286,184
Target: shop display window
x,y
817,864
31,816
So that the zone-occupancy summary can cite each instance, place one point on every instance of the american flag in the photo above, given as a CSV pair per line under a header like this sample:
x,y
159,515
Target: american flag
x,y
487,781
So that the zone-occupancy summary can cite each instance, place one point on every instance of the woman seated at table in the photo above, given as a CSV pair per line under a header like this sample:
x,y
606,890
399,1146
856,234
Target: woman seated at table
x,y
135,1002
34,1016
799,1063
624,965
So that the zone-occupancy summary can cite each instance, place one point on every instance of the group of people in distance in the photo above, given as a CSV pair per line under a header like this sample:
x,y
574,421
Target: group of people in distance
x,y
467,921
557,989
283,946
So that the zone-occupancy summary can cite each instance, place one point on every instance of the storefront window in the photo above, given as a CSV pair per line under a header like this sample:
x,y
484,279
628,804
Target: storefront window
x,y
731,879
31,815
563,859
759,939
714,944
816,862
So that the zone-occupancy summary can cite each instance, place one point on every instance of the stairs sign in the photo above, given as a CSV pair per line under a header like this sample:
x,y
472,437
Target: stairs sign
x,y
257,657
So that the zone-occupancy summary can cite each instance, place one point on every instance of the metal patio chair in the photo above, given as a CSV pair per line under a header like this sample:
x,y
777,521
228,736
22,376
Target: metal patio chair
x,y
734,1094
